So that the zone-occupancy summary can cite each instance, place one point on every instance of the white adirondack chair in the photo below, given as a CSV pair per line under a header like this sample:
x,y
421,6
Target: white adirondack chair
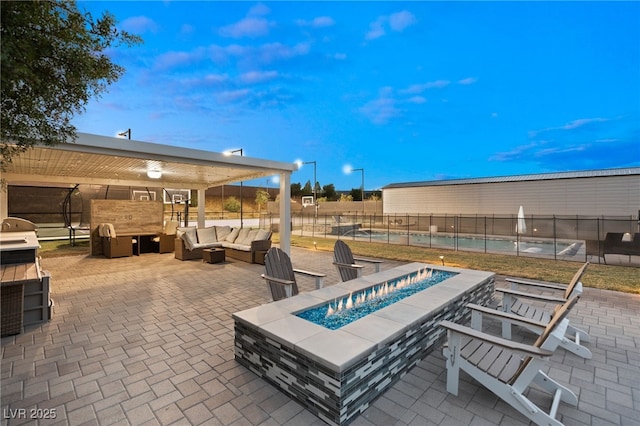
x,y
508,368
512,303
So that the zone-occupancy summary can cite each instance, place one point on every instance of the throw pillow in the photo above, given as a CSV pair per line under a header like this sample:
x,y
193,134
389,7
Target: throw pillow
x,y
251,237
207,235
242,236
263,234
232,235
222,232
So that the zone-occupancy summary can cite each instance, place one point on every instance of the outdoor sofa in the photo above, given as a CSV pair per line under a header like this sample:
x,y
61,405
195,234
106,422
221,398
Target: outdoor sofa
x,y
246,244
615,243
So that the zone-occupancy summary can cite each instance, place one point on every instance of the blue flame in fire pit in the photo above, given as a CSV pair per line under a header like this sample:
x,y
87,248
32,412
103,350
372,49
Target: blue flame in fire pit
x,y
345,310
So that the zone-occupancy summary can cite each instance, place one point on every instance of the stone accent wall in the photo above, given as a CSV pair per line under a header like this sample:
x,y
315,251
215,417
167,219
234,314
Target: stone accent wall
x,y
339,397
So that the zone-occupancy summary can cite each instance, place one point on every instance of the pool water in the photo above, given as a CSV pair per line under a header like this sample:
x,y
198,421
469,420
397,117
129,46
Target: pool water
x,y
345,310
466,242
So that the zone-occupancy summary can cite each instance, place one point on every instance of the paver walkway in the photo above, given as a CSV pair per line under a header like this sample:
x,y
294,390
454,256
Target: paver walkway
x,y
149,340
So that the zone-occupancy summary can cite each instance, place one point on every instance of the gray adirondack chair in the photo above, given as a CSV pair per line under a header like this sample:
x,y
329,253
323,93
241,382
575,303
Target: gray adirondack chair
x,y
280,274
346,264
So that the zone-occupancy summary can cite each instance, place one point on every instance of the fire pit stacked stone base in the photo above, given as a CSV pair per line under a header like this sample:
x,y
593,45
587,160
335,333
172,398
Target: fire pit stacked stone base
x,y
337,374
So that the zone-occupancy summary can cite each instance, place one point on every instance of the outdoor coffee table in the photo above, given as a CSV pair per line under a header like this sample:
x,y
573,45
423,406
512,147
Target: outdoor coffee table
x,y
213,255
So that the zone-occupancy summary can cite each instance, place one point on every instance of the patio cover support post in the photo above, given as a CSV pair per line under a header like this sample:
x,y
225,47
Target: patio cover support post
x,y
201,205
285,212
4,203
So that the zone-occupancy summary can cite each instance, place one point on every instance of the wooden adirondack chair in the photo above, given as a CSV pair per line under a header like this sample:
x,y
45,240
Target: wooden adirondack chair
x,y
512,303
508,368
280,274
346,264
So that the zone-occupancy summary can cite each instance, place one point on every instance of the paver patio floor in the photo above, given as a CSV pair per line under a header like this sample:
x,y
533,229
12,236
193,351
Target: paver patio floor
x,y
148,340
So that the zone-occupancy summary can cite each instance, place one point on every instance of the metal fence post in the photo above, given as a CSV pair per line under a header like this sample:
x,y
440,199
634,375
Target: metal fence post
x,y
555,256
456,224
485,234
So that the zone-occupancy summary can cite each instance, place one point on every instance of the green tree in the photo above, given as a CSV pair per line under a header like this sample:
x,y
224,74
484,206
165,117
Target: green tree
x,y
232,204
54,59
262,196
296,189
307,188
330,192
356,194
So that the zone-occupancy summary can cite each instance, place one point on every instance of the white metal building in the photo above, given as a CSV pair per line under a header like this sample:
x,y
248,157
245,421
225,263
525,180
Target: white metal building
x,y
611,192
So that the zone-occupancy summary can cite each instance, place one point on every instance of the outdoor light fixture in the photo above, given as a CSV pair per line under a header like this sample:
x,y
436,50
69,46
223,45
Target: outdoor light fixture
x,y
442,260
128,134
154,174
348,169
231,152
315,245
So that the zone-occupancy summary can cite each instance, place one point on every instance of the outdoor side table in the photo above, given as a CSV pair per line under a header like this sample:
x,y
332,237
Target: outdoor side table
x,y
214,255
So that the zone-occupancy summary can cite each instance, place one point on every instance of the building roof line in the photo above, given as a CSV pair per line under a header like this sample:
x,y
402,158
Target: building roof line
x,y
522,178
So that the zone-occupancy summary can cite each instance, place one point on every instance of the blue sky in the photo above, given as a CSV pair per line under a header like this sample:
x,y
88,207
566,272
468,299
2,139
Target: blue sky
x,y
408,91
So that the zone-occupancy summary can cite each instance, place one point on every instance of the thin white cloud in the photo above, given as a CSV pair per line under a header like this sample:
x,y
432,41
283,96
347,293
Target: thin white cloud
x,y
255,77
231,96
177,59
207,80
559,150
575,124
582,122
578,144
415,89
139,25
247,27
247,56
467,81
323,21
397,22
259,10
438,84
417,100
516,153
317,22
401,20
376,29
382,109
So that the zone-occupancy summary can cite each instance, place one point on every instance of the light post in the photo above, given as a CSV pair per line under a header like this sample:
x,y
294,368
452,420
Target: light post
x,y
361,188
241,154
315,192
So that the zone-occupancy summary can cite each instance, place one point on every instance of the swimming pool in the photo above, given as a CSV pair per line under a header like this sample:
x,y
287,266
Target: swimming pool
x,y
462,242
